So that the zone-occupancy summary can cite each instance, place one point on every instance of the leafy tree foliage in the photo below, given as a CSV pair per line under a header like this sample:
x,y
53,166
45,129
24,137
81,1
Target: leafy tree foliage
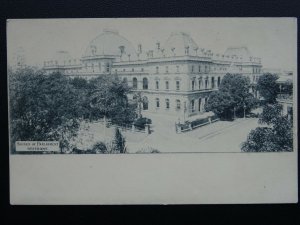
x,y
108,99
221,103
42,107
267,87
50,107
233,94
278,136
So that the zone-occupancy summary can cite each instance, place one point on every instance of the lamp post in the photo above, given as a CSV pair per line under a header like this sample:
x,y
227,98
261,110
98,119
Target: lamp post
x,y
184,110
244,110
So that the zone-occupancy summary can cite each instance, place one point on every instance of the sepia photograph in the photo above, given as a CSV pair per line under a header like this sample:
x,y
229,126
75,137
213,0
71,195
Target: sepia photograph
x,y
152,91
159,93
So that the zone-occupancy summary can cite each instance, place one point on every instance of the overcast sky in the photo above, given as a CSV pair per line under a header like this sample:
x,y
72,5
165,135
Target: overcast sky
x,y
272,39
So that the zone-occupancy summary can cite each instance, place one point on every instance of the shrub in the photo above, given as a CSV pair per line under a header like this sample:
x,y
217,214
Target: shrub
x,y
199,122
141,122
99,147
119,142
148,150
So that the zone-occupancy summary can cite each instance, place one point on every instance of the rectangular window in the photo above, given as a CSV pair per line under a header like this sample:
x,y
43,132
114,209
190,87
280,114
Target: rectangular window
x,y
167,85
193,85
157,69
157,84
167,69
167,103
177,104
177,85
157,102
192,68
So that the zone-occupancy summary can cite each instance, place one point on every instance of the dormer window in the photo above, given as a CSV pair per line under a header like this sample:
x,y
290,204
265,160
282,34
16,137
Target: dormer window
x,y
93,50
187,50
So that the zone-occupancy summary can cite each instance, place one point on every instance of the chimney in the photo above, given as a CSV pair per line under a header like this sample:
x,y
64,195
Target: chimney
x,y
157,45
139,48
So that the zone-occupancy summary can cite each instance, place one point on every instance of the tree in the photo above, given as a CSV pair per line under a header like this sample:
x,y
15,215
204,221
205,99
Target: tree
x,y
42,107
233,95
119,142
277,136
267,87
221,103
108,99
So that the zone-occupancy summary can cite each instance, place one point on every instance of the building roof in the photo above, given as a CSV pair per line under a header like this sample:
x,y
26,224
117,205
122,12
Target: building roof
x,y
239,52
177,43
61,58
108,43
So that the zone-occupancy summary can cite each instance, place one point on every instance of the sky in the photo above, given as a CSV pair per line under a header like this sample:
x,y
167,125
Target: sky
x,y
274,40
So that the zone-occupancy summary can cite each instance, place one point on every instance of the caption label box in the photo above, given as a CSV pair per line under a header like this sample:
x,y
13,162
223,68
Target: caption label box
x,y
38,146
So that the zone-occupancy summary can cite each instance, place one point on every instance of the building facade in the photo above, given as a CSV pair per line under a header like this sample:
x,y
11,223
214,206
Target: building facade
x,y
175,78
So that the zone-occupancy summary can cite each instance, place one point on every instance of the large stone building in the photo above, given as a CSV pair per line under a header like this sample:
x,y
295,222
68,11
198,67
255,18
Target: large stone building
x,y
175,78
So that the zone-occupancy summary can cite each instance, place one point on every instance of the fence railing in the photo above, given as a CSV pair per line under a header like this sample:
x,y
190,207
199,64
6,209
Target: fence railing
x,y
188,126
126,127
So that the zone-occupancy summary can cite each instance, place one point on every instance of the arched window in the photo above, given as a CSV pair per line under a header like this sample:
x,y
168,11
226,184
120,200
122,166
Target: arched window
x,y
200,82
178,104
167,85
134,83
157,102
107,67
145,103
199,105
177,85
145,83
157,69
193,105
125,80
193,85
167,103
